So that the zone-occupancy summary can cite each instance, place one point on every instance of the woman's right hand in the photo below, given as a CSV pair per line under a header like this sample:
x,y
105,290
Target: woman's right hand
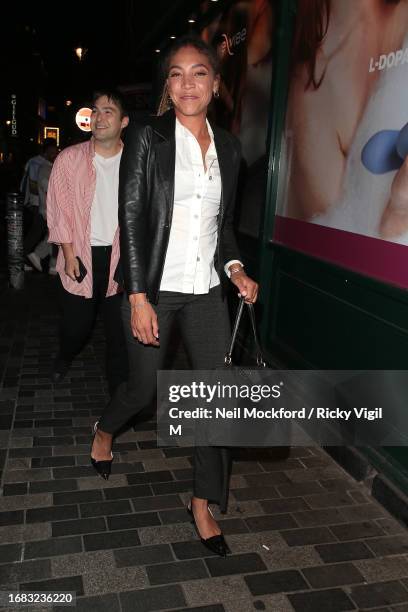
x,y
143,320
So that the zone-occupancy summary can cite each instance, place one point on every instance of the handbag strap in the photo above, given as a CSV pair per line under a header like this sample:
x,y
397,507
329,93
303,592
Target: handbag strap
x,y
228,355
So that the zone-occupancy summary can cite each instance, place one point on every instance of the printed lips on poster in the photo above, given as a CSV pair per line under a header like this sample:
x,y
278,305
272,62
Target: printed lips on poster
x,y
243,37
343,186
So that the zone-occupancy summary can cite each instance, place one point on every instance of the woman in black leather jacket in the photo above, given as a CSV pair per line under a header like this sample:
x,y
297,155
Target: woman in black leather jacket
x,y
177,189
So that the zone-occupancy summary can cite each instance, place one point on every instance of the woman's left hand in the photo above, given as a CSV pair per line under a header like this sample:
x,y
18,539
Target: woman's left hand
x,y
248,288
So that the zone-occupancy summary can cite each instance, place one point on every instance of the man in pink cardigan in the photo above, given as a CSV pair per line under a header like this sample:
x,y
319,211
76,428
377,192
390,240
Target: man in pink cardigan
x,y
82,217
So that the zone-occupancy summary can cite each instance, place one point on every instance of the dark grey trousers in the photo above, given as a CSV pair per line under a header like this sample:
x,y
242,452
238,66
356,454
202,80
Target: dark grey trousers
x,y
204,325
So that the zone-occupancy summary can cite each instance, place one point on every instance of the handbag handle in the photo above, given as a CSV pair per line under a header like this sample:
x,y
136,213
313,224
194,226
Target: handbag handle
x,y
228,355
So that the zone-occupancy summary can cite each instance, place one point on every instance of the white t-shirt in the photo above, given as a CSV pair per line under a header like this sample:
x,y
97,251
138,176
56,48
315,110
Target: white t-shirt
x,y
104,211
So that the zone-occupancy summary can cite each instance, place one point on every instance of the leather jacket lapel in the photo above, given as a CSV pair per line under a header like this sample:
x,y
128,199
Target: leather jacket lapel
x,y
226,169
165,151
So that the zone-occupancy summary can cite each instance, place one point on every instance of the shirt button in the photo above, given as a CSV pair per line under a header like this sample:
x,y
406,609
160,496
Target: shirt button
x,y
210,178
198,259
195,216
195,237
198,195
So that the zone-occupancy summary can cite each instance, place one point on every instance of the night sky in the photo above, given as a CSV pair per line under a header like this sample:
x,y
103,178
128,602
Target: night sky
x,y
37,42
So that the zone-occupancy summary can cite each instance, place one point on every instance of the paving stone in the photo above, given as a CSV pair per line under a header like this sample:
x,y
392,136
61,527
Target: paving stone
x,y
329,600
390,526
105,508
128,491
133,521
15,517
104,603
73,583
26,501
112,540
387,568
52,486
271,603
158,598
314,518
19,488
347,551
332,575
51,513
281,506
178,515
215,590
95,482
81,563
235,564
25,570
278,558
145,555
161,502
268,479
176,463
77,526
77,497
179,571
379,594
28,475
24,533
177,486
308,535
353,531
329,500
390,545
362,512
112,579
166,534
41,462
52,548
275,582
268,522
10,552
148,477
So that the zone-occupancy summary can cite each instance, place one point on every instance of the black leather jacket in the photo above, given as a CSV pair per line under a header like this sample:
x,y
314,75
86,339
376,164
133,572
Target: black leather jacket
x,y
146,198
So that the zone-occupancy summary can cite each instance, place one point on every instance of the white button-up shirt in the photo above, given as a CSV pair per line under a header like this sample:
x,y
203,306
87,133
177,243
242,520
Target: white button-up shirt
x,y
189,265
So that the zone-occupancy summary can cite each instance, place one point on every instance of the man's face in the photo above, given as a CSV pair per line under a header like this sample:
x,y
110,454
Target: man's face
x,y
106,122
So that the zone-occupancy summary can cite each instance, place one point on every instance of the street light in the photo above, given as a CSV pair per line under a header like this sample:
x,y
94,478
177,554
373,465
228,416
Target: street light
x,y
80,53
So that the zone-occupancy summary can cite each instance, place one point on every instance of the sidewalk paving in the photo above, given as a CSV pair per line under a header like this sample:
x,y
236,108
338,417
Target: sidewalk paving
x,y
304,535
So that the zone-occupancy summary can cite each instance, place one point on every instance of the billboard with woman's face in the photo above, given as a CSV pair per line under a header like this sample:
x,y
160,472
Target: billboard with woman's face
x,y
243,37
343,192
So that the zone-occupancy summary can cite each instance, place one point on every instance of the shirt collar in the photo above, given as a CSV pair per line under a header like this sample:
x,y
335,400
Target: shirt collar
x,y
182,131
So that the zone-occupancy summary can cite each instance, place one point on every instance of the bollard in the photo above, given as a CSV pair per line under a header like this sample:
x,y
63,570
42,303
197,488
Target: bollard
x,y
15,245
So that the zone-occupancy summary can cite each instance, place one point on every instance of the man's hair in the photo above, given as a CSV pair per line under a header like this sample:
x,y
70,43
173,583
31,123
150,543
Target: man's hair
x,y
113,95
48,143
196,43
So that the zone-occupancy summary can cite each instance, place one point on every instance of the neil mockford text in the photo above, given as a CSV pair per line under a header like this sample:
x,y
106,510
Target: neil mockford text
x,y
275,413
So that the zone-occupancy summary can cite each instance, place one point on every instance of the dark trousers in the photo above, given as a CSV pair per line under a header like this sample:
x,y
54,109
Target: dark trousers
x,y
36,232
204,325
79,315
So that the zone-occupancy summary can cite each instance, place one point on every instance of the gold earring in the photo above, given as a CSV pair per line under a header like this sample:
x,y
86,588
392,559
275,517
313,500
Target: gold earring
x,y
216,94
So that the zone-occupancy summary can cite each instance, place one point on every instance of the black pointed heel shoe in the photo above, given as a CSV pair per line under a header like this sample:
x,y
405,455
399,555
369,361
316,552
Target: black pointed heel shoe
x,y
103,467
216,544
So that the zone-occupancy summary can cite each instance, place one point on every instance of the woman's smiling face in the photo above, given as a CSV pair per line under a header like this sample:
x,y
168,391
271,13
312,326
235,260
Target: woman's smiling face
x,y
191,81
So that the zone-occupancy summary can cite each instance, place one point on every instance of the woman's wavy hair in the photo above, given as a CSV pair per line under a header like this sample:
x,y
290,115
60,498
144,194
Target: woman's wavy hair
x,y
181,43
312,23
